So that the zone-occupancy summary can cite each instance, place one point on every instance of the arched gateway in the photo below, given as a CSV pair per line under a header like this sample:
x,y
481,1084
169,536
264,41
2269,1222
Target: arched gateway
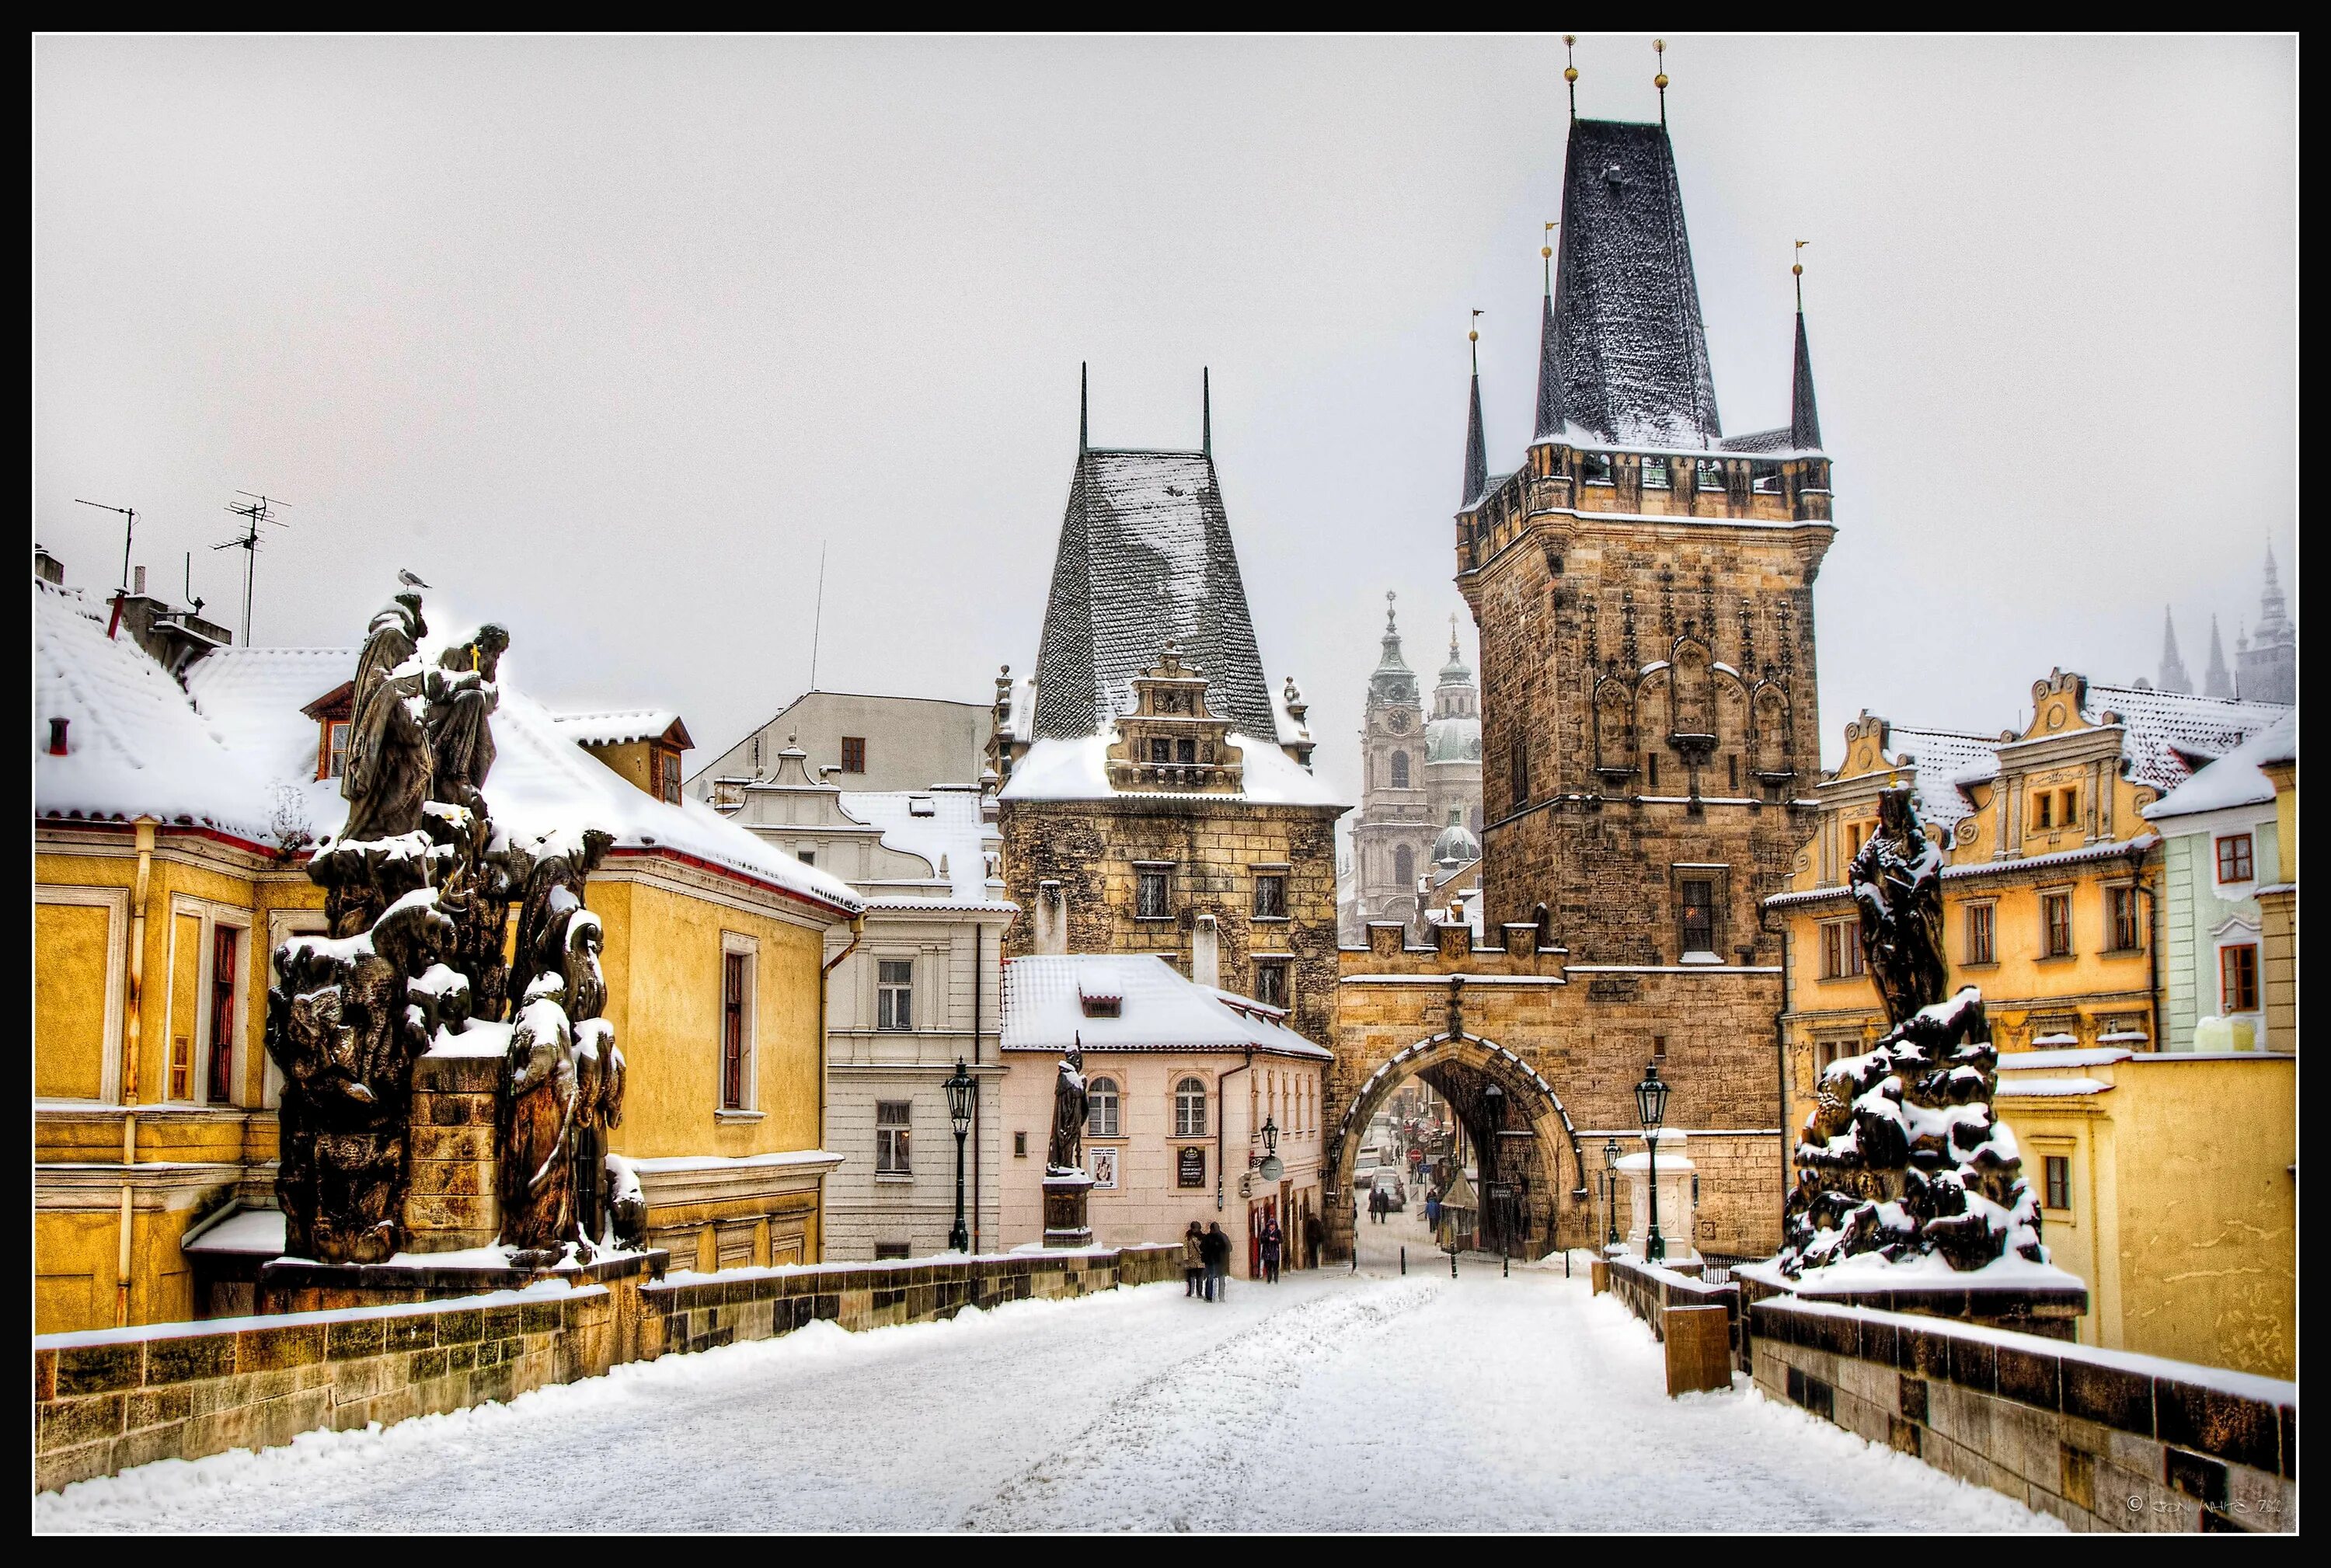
x,y
1524,1145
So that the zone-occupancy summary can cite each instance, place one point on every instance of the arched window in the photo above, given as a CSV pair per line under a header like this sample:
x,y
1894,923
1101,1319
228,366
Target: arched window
x,y
1399,770
1100,1110
1190,1108
1403,865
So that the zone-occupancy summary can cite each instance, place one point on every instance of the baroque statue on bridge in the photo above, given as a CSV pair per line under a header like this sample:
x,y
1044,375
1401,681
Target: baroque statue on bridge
x,y
1070,1104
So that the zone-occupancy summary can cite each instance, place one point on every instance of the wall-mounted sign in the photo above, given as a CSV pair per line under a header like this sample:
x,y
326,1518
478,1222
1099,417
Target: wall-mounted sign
x,y
1102,1164
1271,1167
1190,1166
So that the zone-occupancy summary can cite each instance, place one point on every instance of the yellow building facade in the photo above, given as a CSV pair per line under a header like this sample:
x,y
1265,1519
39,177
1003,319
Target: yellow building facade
x,y
165,874
2165,1176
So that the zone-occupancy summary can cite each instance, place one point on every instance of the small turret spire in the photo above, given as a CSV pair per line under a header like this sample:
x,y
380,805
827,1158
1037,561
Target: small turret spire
x,y
1084,403
1660,48
1805,417
2217,681
1205,411
1550,419
1570,70
2172,675
1476,450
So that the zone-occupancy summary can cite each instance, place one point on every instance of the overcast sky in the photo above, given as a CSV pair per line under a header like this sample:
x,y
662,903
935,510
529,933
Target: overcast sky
x,y
609,337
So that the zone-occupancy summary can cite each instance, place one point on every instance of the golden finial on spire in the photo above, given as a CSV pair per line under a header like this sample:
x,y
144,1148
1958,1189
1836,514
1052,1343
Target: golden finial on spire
x,y
1660,48
1570,70
1474,338
1546,254
1797,271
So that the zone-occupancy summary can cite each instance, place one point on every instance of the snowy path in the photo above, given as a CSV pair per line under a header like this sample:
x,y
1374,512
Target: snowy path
x,y
1330,1402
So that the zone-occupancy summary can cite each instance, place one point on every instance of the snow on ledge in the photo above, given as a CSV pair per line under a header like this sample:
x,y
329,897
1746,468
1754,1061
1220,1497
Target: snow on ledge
x,y
2029,1061
137,1333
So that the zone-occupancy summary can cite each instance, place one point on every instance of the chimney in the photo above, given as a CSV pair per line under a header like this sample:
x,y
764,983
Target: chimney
x,y
57,736
138,581
1051,919
47,567
1205,953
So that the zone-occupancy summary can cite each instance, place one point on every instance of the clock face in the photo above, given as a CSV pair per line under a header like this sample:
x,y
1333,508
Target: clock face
x,y
1398,723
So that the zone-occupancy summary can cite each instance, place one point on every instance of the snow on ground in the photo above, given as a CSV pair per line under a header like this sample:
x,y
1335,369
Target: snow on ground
x,y
1332,1400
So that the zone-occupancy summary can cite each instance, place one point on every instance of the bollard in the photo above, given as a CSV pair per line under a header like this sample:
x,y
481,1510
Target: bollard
x,y
1566,1262
1507,1270
1403,1262
1452,1263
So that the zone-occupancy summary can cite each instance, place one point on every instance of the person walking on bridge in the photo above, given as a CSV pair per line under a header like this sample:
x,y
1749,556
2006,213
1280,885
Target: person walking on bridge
x,y
1216,1251
1193,1260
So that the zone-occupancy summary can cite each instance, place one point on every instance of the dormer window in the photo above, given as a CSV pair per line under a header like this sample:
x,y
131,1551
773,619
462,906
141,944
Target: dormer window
x,y
920,806
335,749
1103,1006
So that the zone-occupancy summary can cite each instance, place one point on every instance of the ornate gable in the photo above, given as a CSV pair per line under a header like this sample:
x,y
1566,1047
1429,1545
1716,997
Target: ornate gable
x,y
1171,741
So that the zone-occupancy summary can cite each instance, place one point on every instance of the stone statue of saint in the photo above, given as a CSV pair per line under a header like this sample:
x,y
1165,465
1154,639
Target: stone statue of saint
x,y
1070,1103
1897,881
461,697
387,775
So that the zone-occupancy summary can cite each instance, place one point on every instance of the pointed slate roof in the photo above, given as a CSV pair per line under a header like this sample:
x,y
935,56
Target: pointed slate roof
x,y
2172,675
1145,555
1549,375
1805,418
1634,351
1476,450
2217,681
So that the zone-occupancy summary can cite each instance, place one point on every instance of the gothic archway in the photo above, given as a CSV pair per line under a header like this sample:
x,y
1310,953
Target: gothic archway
x,y
1527,1146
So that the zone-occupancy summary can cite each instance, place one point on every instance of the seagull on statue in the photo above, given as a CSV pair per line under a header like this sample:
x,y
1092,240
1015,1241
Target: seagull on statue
x,y
409,580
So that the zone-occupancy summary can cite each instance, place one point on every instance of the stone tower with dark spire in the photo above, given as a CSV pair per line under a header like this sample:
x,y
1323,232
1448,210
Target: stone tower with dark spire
x,y
2172,675
1643,588
2216,679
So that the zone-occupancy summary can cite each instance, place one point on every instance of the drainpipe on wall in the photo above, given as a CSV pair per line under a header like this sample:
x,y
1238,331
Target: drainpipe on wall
x,y
857,931
134,1032
1222,1119
1781,1053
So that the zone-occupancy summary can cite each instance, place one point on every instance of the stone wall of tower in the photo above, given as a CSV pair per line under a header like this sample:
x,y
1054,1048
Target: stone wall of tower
x,y
1602,638
1095,849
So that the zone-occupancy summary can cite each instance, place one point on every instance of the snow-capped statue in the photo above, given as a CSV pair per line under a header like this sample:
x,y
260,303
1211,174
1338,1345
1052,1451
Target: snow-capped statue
x,y
1902,1155
1070,1104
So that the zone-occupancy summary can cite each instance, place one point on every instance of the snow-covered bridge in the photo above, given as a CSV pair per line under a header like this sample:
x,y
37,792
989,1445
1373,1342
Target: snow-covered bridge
x,y
1331,1401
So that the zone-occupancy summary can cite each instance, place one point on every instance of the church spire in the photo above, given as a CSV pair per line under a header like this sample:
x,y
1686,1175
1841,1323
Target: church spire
x,y
1476,450
1205,411
1084,402
2217,681
1804,418
2173,668
1549,359
2274,615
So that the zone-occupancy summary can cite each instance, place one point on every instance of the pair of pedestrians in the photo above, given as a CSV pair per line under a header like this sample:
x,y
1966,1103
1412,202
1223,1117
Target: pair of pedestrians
x,y
1205,1261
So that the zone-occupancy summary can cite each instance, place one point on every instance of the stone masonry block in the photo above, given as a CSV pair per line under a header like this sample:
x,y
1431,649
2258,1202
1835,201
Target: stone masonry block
x,y
99,1368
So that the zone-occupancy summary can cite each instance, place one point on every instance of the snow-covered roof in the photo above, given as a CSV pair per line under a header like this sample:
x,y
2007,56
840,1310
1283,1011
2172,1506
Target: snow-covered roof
x,y
2166,727
1145,557
1941,757
133,745
617,729
1078,770
1158,1009
2046,1060
233,751
940,825
2235,779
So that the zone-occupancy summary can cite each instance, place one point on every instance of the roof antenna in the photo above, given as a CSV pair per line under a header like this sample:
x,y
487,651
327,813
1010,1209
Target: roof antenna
x,y
128,512
1570,71
1797,271
1205,411
1083,403
1660,48
817,618
194,604
258,509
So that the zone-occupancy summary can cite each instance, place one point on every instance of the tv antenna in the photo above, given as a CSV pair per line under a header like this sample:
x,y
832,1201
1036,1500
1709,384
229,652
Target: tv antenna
x,y
126,533
817,622
255,510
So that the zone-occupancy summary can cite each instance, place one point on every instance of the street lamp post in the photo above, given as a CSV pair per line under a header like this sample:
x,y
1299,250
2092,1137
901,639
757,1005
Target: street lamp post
x,y
961,1092
1611,1188
1651,1107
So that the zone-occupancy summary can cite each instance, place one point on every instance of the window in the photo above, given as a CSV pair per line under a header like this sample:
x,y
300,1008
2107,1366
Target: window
x,y
1655,473
1595,466
1019,1146
1150,894
1981,947
894,1134
1855,834
1841,950
1711,474
668,764
336,747
2238,978
2059,1182
1651,768
2234,858
1764,478
894,993
1186,750
884,1250
1403,865
2068,807
736,975
2122,903
1520,767
1732,770
1161,749
1100,1110
2055,912
1190,1108
1270,896
1399,770
1699,916
1271,982
224,947
807,857
853,753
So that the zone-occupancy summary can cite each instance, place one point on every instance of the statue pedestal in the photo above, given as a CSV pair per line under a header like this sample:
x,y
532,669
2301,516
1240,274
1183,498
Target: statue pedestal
x,y
451,1205
1064,1209
297,1285
1678,1216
